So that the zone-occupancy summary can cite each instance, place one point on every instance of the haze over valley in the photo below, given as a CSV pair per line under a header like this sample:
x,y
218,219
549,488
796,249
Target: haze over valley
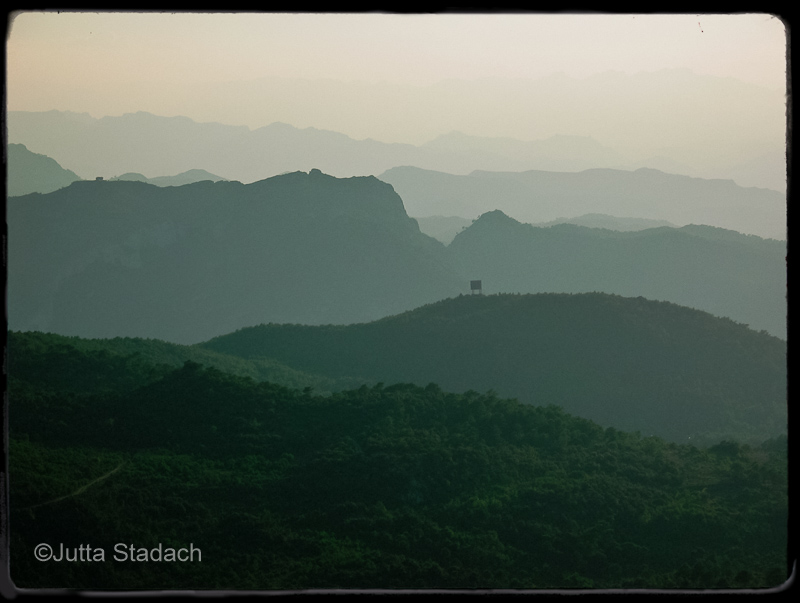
x,y
375,301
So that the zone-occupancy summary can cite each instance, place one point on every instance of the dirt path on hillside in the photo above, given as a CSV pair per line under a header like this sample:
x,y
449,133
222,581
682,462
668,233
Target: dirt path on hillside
x,y
80,490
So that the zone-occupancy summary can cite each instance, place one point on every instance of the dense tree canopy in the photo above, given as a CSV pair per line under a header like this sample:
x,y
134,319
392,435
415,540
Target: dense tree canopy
x,y
380,486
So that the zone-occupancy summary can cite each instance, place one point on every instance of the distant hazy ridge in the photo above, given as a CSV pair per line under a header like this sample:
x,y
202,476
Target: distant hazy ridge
x,y
105,259
31,172
540,196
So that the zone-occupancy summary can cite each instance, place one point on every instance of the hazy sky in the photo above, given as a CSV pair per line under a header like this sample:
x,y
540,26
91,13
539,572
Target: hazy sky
x,y
639,84
107,63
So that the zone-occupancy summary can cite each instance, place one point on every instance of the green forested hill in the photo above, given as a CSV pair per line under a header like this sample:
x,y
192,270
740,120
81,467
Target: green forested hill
x,y
629,363
75,364
377,487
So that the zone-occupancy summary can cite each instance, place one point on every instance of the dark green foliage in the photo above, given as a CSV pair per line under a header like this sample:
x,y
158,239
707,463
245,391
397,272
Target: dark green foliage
x,y
633,364
56,364
384,486
28,350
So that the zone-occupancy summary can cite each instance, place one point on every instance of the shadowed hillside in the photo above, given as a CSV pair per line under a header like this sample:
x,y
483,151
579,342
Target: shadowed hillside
x,y
186,263
105,259
395,486
633,364
719,271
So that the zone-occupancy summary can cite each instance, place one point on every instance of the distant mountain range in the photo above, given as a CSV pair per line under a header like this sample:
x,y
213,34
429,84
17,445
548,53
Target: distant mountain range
x,y
186,263
673,120
34,173
445,228
188,177
539,196
609,222
629,363
149,144
720,271
146,143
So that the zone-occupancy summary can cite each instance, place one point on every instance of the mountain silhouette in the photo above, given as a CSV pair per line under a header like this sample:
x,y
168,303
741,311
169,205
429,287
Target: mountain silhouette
x,y
183,264
630,363
540,196
608,222
668,119
187,177
151,144
719,271
145,143
34,173
445,228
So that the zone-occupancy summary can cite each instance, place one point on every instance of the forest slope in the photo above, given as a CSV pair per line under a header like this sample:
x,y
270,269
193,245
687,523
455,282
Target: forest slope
x,y
377,487
629,363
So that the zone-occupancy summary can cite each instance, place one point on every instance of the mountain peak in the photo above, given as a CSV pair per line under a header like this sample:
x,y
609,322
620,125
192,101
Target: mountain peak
x,y
494,212
489,225
495,216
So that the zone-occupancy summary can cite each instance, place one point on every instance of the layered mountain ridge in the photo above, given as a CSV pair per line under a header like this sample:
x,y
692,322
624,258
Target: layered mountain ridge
x,y
539,196
105,259
185,263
